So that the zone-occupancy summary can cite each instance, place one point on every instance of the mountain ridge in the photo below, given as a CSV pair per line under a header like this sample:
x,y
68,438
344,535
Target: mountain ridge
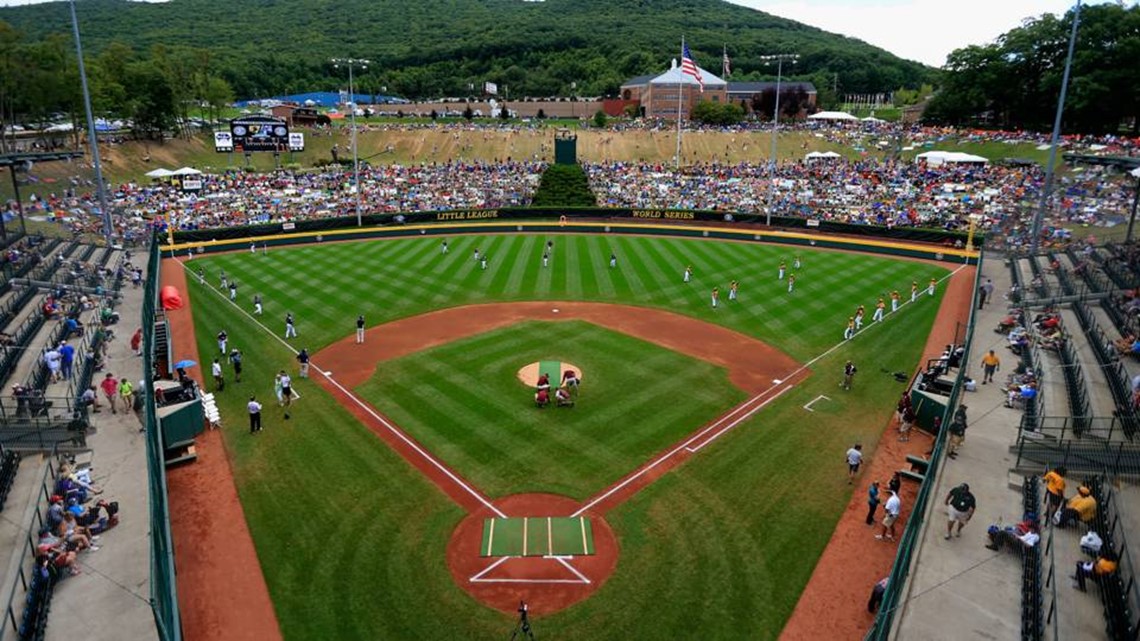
x,y
443,47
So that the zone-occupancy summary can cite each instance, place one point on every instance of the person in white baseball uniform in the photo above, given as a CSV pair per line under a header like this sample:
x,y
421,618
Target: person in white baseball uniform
x,y
257,304
688,274
360,329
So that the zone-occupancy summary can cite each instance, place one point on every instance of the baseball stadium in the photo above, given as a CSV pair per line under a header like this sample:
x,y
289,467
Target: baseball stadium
x,y
573,368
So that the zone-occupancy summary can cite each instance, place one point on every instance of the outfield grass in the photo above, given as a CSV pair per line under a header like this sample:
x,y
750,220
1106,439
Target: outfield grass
x,y
464,402
352,538
326,287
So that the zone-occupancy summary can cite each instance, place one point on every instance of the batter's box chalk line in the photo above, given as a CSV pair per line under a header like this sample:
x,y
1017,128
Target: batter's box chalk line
x,y
814,400
579,578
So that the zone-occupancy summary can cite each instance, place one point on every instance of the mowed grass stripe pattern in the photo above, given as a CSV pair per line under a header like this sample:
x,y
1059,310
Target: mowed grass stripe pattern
x,y
464,402
352,539
326,287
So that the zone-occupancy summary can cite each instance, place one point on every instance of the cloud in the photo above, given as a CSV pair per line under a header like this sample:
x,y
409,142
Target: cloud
x,y
922,30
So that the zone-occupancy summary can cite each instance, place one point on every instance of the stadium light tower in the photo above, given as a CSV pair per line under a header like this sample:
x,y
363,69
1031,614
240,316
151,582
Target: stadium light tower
x,y
1047,188
92,141
779,59
363,64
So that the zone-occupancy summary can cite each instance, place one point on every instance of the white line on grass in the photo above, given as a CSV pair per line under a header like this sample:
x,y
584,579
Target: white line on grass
x,y
814,400
367,408
686,445
478,578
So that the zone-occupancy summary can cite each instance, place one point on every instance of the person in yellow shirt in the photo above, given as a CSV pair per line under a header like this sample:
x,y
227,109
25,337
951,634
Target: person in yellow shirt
x,y
1054,490
1104,566
990,364
1081,507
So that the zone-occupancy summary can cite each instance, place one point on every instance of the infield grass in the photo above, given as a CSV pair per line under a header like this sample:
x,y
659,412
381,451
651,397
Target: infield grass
x,y
352,539
464,401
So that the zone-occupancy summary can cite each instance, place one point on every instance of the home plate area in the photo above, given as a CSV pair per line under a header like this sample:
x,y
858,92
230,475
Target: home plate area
x,y
535,549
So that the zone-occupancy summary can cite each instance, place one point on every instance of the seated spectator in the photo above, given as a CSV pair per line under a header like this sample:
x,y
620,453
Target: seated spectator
x,y
108,316
542,397
57,558
1081,507
1099,570
1019,537
72,327
90,399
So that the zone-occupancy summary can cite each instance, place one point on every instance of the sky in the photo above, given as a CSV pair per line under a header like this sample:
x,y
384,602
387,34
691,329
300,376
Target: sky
x,y
922,30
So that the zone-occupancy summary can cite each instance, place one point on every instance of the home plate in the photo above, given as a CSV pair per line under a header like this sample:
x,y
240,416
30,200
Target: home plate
x,y
554,310
776,381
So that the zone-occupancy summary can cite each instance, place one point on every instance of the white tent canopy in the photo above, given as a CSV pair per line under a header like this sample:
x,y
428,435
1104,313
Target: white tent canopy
x,y
832,115
873,119
822,155
159,173
1136,172
936,158
186,171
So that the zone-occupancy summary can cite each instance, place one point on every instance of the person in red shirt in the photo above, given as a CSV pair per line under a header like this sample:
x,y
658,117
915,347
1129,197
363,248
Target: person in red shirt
x,y
110,388
543,382
542,397
136,342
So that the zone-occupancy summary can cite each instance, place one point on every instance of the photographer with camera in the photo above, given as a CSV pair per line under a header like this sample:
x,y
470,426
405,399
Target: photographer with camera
x,y
523,625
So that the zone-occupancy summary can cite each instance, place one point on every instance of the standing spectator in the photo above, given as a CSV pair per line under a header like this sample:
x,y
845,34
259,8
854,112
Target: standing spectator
x,y
872,502
216,370
66,359
110,389
960,506
895,484
136,342
254,415
982,296
990,364
908,419
360,321
890,517
303,359
126,392
957,435
848,374
988,288
53,359
854,460
1054,490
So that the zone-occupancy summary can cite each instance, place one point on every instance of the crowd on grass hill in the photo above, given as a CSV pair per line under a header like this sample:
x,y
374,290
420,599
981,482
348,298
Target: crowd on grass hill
x,y
870,190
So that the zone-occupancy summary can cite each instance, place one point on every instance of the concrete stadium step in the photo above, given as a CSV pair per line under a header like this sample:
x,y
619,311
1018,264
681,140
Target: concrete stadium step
x,y
1085,456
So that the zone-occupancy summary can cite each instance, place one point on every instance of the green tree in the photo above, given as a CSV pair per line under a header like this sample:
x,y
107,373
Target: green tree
x,y
600,119
716,113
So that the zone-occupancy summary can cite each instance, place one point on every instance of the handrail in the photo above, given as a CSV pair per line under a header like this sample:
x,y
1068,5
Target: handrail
x,y
21,579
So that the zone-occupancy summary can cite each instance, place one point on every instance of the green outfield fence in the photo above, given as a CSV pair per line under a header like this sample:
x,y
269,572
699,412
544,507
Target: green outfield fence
x,y
163,592
881,628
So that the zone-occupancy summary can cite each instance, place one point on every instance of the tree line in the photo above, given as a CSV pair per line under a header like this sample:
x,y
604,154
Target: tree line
x,y
1013,83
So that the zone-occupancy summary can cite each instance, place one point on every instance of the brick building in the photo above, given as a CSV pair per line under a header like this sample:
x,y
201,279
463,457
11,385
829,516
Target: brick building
x,y
656,95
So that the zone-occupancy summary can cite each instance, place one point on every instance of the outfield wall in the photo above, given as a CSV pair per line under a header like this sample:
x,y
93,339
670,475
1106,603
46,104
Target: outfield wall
x,y
802,239
614,215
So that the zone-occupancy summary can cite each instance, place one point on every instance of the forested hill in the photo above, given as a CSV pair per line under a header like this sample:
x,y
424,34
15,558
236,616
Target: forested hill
x,y
438,47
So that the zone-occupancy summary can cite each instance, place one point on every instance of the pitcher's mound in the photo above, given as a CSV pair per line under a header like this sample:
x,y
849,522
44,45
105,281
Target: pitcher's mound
x,y
529,374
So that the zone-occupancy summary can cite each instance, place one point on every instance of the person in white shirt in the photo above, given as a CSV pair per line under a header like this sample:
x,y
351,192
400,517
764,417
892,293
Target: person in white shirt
x,y
216,370
854,460
254,415
892,510
286,391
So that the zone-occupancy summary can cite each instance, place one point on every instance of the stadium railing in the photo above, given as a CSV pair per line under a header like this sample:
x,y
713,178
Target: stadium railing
x,y
1051,561
163,589
882,627
1032,596
21,568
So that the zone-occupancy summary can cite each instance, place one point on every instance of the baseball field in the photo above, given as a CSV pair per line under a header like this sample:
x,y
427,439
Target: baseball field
x,y
708,489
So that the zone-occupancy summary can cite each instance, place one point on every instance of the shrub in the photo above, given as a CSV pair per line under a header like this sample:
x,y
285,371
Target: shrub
x,y
564,186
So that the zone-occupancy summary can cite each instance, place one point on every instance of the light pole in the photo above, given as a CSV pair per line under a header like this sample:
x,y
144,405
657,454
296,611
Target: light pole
x,y
363,64
1047,188
92,141
779,58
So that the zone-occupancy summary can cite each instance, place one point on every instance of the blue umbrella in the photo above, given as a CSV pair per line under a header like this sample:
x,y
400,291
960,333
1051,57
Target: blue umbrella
x,y
183,364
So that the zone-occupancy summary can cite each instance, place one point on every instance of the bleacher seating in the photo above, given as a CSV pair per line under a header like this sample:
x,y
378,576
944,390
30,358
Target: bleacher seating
x,y
1119,383
1114,590
9,463
1075,385
33,625
1032,593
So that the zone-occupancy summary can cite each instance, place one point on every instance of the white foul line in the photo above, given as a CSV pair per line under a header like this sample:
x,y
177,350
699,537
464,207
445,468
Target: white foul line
x,y
367,408
686,444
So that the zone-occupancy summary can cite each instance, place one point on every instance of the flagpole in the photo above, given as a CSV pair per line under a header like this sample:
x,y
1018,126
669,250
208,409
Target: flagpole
x,y
680,90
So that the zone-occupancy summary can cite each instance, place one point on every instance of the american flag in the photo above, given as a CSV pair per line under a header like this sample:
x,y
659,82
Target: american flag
x,y
689,67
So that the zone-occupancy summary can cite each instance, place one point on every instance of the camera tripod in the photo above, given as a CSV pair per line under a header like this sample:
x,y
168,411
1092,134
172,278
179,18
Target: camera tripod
x,y
523,625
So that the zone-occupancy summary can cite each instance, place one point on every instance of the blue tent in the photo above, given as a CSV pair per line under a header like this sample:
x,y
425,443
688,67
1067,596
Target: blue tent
x,y
327,99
